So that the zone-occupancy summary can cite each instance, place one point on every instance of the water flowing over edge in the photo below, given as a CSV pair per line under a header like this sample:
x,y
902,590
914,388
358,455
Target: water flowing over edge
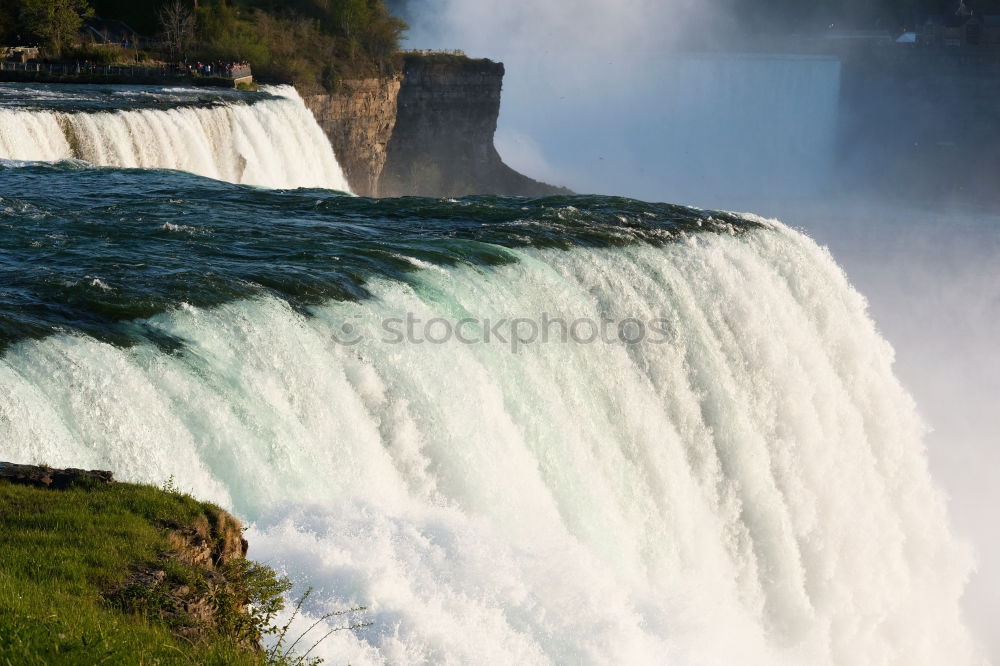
x,y
270,143
752,488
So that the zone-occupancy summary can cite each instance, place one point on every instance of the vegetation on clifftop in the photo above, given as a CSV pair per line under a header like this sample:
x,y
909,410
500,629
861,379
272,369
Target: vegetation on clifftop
x,y
312,43
111,574
453,61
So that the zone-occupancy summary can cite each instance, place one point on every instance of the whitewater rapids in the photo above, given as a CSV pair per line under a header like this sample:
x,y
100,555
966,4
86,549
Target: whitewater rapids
x,y
753,490
274,143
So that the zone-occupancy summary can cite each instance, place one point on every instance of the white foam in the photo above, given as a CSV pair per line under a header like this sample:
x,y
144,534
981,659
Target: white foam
x,y
753,490
273,143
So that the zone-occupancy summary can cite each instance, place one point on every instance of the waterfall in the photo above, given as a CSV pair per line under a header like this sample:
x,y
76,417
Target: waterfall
x,y
749,487
270,143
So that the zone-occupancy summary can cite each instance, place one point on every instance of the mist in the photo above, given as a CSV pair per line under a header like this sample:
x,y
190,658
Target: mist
x,y
603,98
932,281
644,99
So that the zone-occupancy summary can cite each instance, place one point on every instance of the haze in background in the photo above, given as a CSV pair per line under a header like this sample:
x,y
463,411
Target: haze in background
x,y
597,98
932,277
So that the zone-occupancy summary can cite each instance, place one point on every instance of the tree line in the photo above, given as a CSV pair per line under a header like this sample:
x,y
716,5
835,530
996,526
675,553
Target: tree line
x,y
312,43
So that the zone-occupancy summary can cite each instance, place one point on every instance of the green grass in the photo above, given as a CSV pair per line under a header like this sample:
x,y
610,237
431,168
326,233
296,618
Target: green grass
x,y
61,555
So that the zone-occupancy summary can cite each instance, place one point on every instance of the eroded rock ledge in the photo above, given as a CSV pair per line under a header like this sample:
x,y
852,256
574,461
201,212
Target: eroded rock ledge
x,y
428,132
48,477
208,595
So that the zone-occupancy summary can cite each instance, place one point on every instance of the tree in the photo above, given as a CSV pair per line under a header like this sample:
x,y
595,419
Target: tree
x,y
9,11
350,16
55,21
382,37
177,22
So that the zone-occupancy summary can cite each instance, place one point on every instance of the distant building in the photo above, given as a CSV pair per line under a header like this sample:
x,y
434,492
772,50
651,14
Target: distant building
x,y
964,30
991,30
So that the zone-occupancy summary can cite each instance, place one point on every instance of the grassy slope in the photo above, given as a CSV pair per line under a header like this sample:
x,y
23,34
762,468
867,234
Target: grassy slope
x,y
60,550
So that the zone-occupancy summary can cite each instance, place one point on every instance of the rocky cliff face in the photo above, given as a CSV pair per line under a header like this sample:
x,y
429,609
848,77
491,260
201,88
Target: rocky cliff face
x,y
212,551
427,133
359,120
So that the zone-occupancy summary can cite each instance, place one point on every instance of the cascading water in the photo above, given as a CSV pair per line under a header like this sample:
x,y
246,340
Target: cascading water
x,y
269,140
744,482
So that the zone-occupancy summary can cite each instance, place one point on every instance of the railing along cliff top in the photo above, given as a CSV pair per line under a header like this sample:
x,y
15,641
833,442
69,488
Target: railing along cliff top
x,y
237,72
431,52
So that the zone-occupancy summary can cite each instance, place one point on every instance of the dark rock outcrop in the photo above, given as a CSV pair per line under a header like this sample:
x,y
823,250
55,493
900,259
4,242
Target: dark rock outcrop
x,y
47,477
426,133
443,143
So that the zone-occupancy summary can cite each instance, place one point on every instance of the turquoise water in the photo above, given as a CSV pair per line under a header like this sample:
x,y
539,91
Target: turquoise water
x,y
70,98
85,249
